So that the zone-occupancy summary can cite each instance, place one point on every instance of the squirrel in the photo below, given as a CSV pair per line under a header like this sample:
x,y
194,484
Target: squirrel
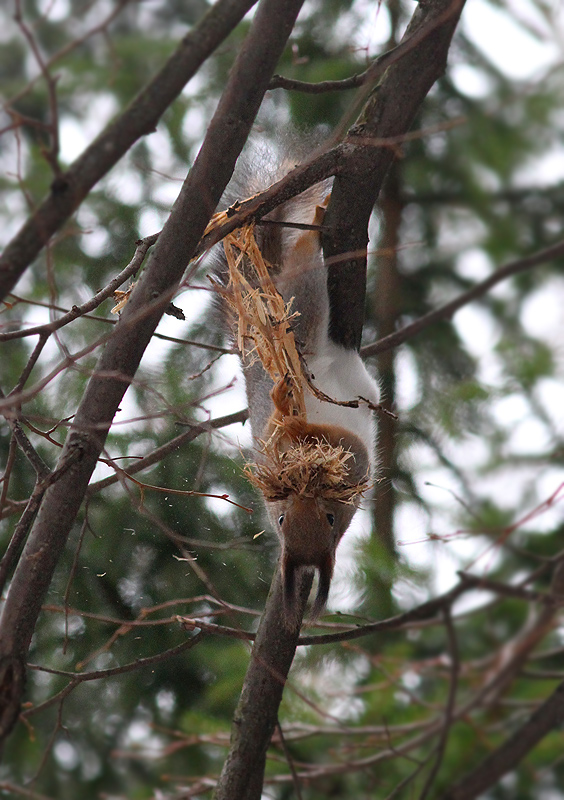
x,y
309,526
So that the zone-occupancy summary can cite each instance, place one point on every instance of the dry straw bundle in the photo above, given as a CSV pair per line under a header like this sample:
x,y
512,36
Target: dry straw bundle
x,y
293,459
309,468
263,318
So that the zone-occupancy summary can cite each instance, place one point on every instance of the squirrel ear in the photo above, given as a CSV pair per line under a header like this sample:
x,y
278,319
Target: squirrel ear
x,y
325,575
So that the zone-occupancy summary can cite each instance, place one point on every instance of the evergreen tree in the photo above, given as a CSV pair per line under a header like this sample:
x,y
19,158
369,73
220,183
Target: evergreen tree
x,y
462,677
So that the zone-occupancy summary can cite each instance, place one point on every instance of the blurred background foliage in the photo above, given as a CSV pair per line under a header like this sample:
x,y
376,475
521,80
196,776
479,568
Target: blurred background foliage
x,y
477,446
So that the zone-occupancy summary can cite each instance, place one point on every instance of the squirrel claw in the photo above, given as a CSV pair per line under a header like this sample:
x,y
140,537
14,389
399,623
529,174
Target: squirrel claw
x,y
282,394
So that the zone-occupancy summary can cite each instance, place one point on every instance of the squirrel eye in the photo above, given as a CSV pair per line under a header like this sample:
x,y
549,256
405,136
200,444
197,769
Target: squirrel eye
x,y
281,519
331,519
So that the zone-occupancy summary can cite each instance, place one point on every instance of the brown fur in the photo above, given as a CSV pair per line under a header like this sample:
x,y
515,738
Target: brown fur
x,y
310,528
308,525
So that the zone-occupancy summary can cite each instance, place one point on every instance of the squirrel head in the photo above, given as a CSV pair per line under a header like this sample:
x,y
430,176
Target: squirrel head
x,y
309,530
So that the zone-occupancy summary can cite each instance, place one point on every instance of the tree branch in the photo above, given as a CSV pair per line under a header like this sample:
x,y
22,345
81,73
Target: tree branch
x,y
449,309
76,678
257,711
139,119
141,249
546,718
175,247
374,71
450,703
389,112
157,455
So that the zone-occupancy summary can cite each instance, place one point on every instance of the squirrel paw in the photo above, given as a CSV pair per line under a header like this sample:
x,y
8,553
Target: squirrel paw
x,y
282,396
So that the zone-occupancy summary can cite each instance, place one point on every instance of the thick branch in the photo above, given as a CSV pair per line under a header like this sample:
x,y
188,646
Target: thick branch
x,y
139,119
176,245
389,112
257,710
547,717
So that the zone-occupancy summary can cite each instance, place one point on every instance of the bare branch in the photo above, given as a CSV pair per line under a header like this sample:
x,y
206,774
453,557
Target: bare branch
x,y
81,677
374,71
52,154
139,119
389,112
20,534
190,624
39,466
546,718
257,710
450,703
176,245
68,48
157,455
78,311
21,791
449,309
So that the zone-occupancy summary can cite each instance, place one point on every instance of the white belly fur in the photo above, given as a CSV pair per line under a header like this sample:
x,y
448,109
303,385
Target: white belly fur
x,y
342,375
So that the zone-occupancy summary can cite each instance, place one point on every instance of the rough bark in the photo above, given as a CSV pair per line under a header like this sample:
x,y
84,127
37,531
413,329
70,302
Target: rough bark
x,y
388,114
387,303
257,711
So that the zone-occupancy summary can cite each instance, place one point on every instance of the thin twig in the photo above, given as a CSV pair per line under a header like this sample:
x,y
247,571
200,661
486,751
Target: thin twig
x,y
450,703
52,154
129,271
157,455
449,309
20,533
289,760
374,71
11,788
77,678
191,624
12,450
108,321
37,350
64,51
